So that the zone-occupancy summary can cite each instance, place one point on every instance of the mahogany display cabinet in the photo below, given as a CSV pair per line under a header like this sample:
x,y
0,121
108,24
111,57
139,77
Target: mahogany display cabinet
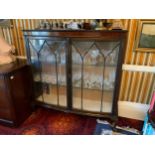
x,y
77,71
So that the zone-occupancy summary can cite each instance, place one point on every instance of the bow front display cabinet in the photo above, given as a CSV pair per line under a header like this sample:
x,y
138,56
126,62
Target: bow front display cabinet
x,y
77,71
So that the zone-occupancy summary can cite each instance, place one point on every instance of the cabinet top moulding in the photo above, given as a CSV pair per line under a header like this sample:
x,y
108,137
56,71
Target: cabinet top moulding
x,y
107,34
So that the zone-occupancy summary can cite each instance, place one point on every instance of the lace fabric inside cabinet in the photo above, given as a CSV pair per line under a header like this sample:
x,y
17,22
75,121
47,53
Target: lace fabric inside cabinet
x,y
48,58
93,74
78,71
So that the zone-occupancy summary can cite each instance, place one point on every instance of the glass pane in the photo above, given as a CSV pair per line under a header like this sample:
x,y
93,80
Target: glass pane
x,y
109,79
61,59
81,46
36,72
76,78
49,75
37,44
94,69
92,77
52,72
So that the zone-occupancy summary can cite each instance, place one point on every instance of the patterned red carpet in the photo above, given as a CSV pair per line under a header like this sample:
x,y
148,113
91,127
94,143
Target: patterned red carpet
x,y
51,122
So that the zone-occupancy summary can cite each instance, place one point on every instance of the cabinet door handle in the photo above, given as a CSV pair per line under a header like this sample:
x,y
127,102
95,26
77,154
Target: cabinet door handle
x,y
11,77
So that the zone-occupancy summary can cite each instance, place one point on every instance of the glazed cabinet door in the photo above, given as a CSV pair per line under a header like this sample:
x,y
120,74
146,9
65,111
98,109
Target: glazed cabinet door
x,y
94,64
48,58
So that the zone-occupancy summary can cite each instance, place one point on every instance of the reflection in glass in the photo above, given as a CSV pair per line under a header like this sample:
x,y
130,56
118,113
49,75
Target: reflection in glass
x,y
76,78
94,69
49,60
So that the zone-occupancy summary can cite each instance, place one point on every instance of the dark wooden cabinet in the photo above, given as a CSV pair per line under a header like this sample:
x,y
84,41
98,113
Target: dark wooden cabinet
x,y
16,93
77,71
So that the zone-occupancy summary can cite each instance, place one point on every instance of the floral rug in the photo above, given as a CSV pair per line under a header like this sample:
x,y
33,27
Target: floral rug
x,y
51,122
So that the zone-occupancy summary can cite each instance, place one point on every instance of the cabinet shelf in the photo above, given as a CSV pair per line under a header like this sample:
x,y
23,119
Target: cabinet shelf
x,y
96,85
90,102
93,66
50,64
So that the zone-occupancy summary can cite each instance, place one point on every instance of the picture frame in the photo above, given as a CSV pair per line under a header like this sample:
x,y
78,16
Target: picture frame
x,y
145,40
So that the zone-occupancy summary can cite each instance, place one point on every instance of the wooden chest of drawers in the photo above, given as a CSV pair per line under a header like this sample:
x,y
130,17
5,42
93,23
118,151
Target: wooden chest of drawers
x,y
16,93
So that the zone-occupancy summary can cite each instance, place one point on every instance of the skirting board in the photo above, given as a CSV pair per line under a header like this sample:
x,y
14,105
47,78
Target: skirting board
x,y
132,110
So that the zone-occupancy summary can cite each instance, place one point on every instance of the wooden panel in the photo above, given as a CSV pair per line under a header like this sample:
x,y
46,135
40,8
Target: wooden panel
x,y
16,92
22,95
5,110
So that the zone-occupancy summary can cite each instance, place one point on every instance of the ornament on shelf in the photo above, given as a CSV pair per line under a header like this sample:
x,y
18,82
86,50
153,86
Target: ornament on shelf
x,y
107,24
117,24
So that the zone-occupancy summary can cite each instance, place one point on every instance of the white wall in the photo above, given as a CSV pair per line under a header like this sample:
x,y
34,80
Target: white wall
x,y
132,110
